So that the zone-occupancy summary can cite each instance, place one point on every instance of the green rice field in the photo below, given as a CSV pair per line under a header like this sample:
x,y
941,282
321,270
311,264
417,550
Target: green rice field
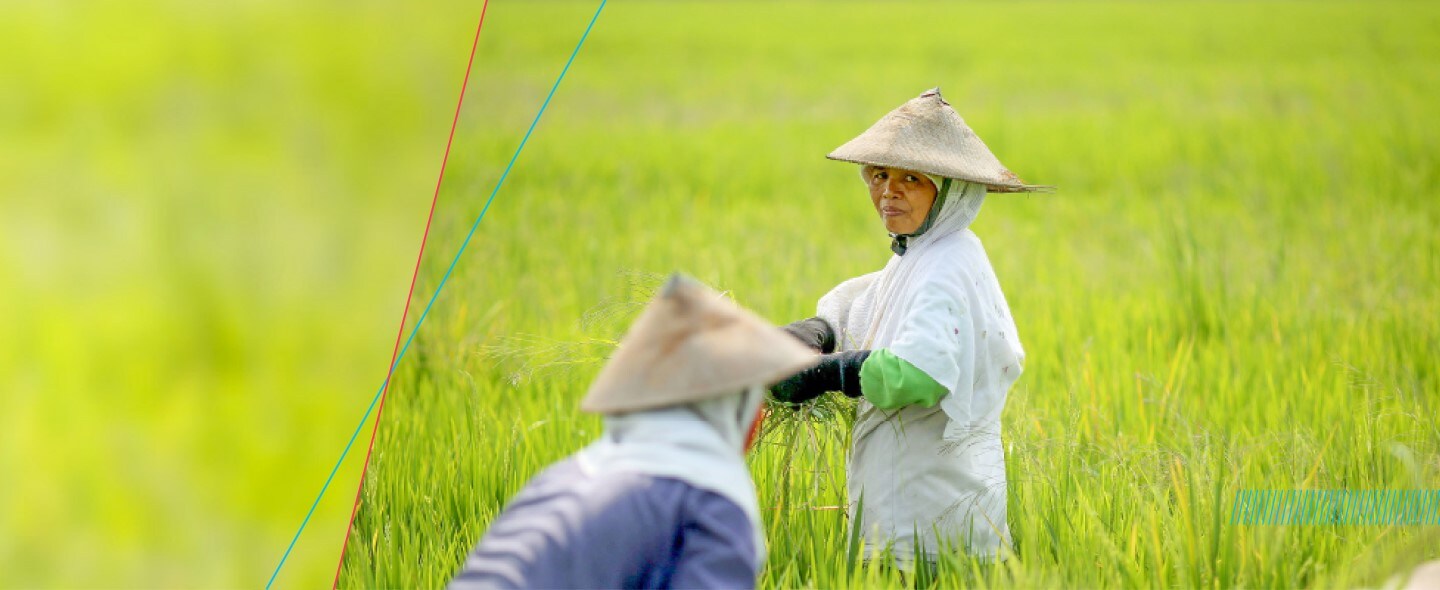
x,y
209,215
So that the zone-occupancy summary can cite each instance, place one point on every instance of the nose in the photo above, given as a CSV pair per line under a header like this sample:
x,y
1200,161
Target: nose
x,y
892,188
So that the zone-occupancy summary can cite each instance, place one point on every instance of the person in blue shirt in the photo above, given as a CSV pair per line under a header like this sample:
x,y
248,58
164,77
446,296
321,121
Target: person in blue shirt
x,y
663,498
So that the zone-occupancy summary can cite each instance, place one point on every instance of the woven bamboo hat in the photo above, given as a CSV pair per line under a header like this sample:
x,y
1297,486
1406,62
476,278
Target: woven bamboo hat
x,y
692,344
926,135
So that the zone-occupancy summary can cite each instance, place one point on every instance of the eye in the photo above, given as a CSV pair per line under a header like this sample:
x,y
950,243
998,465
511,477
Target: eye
x,y
911,178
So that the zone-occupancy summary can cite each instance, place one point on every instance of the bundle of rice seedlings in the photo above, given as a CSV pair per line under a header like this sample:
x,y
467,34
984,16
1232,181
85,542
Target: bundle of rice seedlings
x,y
799,449
807,443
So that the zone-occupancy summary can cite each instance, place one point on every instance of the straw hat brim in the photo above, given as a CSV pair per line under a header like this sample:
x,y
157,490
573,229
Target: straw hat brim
x,y
691,344
1014,186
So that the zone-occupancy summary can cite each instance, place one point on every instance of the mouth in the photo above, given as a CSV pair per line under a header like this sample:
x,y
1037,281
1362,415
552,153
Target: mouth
x,y
890,212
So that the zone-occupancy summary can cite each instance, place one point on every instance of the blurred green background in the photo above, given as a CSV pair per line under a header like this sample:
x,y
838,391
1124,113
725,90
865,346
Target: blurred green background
x,y
209,214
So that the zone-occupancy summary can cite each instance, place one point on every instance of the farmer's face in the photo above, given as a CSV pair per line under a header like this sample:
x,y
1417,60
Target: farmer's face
x,y
901,197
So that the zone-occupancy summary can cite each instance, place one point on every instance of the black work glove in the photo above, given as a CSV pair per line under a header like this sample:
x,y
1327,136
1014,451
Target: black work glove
x,y
836,372
814,332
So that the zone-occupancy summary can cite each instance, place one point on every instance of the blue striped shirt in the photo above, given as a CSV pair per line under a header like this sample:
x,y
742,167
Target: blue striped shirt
x,y
567,529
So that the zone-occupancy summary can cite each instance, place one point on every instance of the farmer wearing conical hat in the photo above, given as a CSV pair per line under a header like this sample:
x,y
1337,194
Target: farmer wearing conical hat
x,y
663,498
927,343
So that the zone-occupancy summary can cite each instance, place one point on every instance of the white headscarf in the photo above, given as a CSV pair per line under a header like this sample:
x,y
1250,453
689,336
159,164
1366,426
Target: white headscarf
x,y
700,443
910,306
967,198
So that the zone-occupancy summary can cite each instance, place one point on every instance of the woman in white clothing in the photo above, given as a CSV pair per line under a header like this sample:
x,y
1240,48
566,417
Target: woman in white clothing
x,y
927,343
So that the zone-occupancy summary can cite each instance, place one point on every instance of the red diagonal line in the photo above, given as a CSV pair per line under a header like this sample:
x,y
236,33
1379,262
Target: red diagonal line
x,y
354,508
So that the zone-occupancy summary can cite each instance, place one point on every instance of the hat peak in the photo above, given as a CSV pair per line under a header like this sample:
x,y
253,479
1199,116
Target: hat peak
x,y
672,284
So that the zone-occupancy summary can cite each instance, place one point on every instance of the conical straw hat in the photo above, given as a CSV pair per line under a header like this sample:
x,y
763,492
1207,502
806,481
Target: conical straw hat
x,y
926,135
691,344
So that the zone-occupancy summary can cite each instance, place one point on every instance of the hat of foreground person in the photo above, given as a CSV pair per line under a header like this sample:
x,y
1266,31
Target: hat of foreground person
x,y
926,135
692,344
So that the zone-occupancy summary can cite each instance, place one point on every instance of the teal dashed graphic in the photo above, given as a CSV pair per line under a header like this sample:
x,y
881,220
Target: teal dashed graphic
x,y
1336,507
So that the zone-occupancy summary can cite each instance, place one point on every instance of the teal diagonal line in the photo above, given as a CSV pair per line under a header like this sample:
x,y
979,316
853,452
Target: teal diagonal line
x,y
421,321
